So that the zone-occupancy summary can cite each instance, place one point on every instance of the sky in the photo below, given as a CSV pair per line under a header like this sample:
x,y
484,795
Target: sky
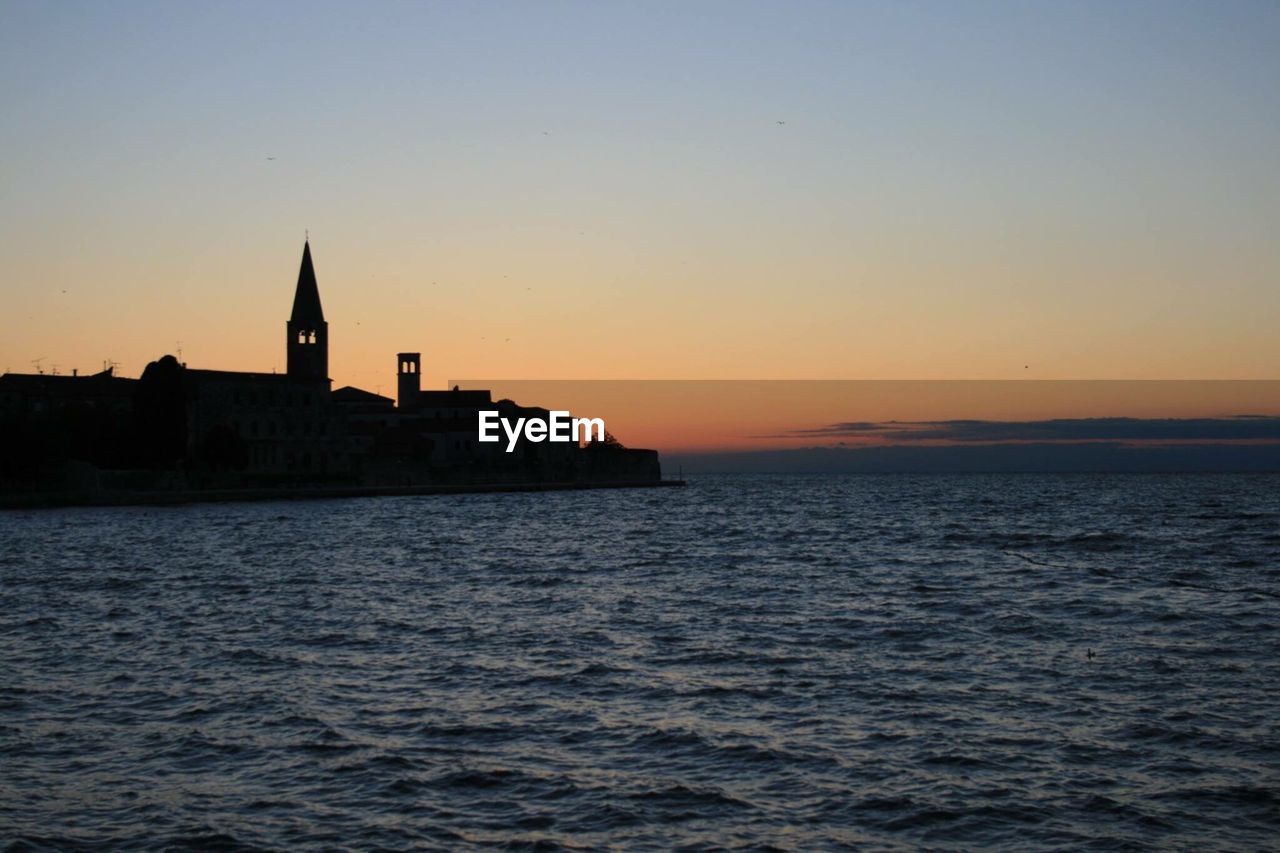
x,y
685,190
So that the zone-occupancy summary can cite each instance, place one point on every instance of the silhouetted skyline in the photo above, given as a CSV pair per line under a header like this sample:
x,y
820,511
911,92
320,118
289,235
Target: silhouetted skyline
x,y
180,431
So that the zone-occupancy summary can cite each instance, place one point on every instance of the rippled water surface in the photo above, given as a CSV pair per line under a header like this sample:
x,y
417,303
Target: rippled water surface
x,y
798,662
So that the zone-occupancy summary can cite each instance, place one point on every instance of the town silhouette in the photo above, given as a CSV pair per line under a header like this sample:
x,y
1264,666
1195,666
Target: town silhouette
x,y
179,430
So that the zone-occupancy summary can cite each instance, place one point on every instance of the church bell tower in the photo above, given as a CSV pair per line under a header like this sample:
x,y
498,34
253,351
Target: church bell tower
x,y
308,347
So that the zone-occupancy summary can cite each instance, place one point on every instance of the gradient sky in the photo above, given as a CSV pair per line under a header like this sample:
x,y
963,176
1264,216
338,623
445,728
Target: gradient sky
x,y
960,190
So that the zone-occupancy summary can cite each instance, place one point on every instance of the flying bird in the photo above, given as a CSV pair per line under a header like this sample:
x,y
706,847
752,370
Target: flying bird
x,y
782,122
271,158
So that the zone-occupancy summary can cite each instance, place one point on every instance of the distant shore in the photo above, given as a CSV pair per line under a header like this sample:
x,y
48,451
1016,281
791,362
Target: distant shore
x,y
53,500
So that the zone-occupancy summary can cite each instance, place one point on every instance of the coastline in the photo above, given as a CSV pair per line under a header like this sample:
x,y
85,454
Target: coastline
x,y
60,500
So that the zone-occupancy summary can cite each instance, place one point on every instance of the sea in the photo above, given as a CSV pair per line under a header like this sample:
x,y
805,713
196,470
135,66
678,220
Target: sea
x,y
763,662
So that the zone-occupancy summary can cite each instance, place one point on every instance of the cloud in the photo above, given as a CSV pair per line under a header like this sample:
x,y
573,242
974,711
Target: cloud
x,y
1236,428
847,428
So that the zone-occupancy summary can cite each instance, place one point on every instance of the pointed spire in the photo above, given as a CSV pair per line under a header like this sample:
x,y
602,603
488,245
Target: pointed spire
x,y
306,299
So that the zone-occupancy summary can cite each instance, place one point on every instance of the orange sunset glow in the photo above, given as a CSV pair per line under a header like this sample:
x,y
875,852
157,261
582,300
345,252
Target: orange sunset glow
x,y
699,416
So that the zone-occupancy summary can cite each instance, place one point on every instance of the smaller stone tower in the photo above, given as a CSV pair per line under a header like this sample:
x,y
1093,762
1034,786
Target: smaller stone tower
x,y
409,380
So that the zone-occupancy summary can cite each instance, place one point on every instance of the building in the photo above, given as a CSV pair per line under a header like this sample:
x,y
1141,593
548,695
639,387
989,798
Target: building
x,y
264,426
35,394
46,419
